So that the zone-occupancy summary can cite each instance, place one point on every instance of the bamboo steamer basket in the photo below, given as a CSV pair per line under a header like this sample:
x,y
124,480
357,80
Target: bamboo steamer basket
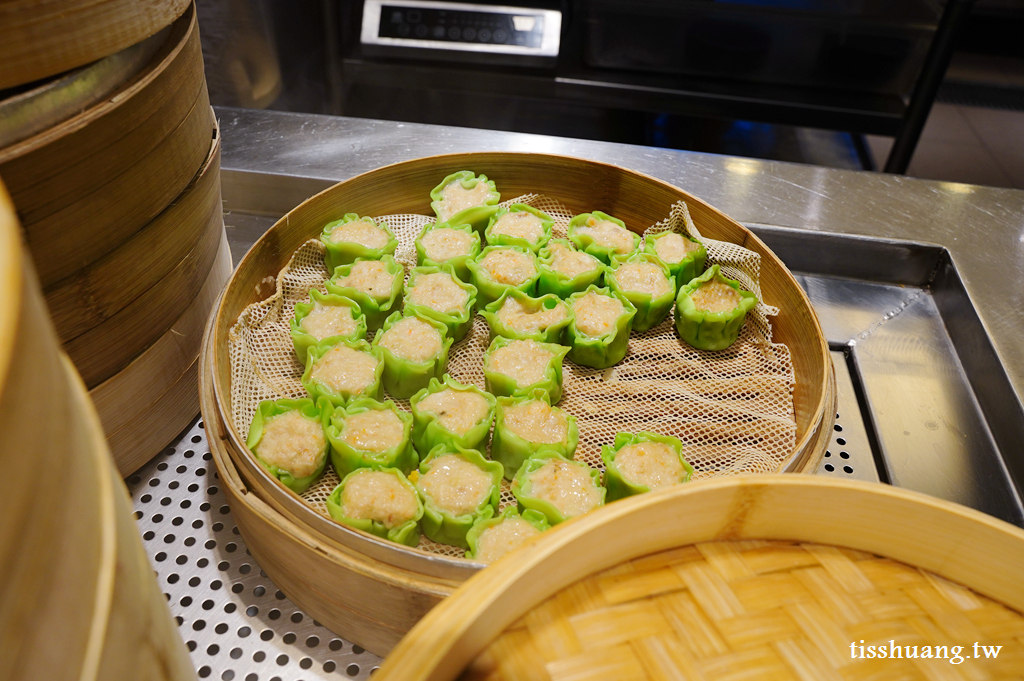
x,y
620,594
155,397
272,514
86,185
80,600
41,39
93,294
119,291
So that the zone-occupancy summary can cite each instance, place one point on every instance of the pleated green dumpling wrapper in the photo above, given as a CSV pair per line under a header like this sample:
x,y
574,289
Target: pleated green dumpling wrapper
x,y
521,367
645,281
598,335
451,414
326,318
441,244
439,294
711,309
521,317
529,425
375,285
354,237
602,236
519,225
502,268
558,488
415,350
565,270
458,487
463,198
342,371
370,434
684,255
291,429
478,548
378,505
649,461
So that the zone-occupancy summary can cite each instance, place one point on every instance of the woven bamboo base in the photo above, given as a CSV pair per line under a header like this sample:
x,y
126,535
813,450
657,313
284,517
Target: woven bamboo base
x,y
739,578
777,610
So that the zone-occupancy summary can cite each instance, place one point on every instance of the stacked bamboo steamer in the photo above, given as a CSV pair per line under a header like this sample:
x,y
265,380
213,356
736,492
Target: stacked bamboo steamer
x,y
121,212
80,600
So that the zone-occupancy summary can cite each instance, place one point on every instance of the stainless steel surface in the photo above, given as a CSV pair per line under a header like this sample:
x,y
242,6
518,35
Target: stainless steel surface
x,y
57,100
235,622
273,161
550,26
848,456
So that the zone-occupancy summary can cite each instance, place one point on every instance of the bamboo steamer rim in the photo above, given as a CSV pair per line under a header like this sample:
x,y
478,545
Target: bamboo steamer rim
x,y
443,643
11,281
42,39
401,556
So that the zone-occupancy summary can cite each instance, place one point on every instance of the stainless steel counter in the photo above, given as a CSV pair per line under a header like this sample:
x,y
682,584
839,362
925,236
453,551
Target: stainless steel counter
x,y
268,155
923,323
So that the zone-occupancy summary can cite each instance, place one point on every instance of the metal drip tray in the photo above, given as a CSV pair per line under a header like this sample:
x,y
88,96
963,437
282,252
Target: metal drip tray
x,y
923,403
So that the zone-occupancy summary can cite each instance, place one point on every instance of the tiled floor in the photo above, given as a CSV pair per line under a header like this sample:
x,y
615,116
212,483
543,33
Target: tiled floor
x,y
966,144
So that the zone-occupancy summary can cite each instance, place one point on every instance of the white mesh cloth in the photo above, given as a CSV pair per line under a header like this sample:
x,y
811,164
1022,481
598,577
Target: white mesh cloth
x,y
733,409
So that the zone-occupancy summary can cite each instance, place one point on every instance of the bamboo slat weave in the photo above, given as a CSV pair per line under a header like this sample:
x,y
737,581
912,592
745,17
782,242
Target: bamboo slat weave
x,y
758,610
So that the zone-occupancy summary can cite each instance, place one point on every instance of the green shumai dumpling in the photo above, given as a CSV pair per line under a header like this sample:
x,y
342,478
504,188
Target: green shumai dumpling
x,y
528,425
463,198
684,255
645,281
415,350
458,487
438,294
520,317
602,236
375,285
500,268
711,309
640,462
565,270
520,367
442,244
287,438
326,318
380,501
493,538
598,335
370,434
354,237
558,488
451,414
519,225
342,371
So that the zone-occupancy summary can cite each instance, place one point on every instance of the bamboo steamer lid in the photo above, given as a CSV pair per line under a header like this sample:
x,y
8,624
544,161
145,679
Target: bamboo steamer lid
x,y
41,39
71,560
155,397
131,297
86,185
623,594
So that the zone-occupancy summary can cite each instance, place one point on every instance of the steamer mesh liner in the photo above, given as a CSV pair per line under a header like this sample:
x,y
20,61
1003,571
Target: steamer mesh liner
x,y
733,409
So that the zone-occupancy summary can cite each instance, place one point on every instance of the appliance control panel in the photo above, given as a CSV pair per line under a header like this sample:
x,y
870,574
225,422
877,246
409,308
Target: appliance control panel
x,y
461,27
